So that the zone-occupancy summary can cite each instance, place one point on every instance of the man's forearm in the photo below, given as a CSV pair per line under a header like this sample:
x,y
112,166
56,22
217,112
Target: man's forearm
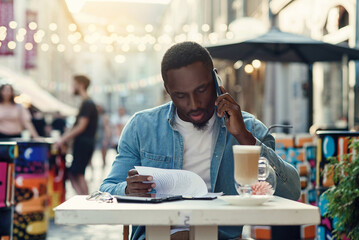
x,y
288,181
245,138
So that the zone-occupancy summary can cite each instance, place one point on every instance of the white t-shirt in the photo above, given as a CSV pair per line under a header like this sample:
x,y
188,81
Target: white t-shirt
x,y
198,148
198,151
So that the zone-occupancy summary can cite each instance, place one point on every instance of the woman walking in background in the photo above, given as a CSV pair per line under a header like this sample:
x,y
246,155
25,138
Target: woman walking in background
x,y
13,117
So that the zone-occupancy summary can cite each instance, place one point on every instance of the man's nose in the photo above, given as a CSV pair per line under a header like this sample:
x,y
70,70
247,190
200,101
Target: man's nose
x,y
194,102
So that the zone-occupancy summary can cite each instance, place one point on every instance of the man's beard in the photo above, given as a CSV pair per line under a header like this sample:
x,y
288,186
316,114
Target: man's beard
x,y
201,126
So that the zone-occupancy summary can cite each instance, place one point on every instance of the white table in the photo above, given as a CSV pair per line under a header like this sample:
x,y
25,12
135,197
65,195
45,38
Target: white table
x,y
204,217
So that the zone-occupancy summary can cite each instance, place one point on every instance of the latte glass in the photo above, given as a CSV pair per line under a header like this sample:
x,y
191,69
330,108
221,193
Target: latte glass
x,y
248,167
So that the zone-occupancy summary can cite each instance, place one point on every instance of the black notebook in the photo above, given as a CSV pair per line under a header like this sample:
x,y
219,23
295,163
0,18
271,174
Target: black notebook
x,y
148,199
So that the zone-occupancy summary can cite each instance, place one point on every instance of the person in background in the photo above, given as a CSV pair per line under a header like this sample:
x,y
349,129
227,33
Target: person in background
x,y
39,122
83,132
103,134
119,123
13,117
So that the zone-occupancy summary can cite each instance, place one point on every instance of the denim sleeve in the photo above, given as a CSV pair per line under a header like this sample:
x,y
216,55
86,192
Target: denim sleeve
x,y
288,181
128,156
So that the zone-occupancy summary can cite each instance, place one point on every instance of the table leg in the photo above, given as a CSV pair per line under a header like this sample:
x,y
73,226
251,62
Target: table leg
x,y
126,232
157,232
204,233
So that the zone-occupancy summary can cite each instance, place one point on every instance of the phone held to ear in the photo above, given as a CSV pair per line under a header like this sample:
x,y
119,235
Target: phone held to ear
x,y
218,82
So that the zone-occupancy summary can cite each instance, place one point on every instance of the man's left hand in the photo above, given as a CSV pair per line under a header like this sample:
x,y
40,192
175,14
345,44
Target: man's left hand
x,y
228,107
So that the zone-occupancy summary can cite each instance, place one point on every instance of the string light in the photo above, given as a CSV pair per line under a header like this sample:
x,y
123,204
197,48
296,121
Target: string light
x,y
11,45
205,27
213,37
2,36
141,47
33,25
113,41
3,33
148,28
29,46
37,38
72,27
13,24
55,39
77,35
229,35
20,38
238,64
72,39
44,47
223,27
22,31
248,68
53,26
61,48
40,33
157,47
256,63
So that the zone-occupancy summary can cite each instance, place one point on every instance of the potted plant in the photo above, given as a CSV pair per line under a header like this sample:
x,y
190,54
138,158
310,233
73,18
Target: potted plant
x,y
343,196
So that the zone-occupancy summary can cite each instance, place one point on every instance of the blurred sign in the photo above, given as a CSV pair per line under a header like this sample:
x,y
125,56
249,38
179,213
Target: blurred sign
x,y
30,45
6,16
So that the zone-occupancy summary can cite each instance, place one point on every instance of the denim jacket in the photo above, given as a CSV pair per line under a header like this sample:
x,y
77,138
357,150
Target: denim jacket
x,y
151,139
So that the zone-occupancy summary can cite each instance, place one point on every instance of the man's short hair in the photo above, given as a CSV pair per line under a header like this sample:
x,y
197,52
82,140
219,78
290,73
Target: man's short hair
x,y
184,54
83,80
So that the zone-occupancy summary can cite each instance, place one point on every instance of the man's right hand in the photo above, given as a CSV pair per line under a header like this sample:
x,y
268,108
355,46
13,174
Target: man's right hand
x,y
138,184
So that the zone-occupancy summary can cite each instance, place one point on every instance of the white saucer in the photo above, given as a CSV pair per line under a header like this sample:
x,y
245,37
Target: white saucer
x,y
246,201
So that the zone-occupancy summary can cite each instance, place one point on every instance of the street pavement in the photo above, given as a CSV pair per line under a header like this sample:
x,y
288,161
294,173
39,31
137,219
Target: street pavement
x,y
94,176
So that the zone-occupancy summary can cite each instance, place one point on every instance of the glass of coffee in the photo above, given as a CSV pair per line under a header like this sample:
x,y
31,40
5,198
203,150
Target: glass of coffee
x,y
248,167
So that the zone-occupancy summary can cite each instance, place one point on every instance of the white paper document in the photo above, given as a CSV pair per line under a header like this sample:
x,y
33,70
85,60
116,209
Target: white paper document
x,y
176,182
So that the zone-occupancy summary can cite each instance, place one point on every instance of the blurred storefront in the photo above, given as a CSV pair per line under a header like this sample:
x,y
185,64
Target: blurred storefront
x,y
334,83
120,48
33,34
276,92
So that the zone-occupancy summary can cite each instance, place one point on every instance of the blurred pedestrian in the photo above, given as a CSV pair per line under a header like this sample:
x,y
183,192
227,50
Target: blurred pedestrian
x,y
103,134
119,123
39,122
14,118
83,132
58,123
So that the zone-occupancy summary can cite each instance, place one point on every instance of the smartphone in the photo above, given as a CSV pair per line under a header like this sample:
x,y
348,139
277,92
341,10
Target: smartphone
x,y
217,82
154,199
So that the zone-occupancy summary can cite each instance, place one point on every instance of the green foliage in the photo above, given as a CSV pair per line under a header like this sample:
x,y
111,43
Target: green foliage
x,y
343,197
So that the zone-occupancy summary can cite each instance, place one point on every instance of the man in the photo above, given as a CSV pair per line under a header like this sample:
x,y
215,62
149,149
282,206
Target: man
x,y
83,133
196,132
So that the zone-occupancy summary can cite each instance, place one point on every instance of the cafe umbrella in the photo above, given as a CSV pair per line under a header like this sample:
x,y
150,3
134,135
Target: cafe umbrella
x,y
279,46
